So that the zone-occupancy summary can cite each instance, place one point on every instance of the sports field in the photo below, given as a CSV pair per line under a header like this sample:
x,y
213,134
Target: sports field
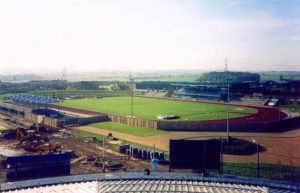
x,y
150,108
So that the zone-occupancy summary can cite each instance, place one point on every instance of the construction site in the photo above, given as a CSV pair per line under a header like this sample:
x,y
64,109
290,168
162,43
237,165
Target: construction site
x,y
39,129
88,156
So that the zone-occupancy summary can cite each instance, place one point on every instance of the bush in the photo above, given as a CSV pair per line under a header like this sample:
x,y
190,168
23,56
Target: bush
x,y
240,147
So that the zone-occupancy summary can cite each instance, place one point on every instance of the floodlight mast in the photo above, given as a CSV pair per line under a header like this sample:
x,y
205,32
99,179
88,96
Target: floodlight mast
x,y
132,83
64,73
227,109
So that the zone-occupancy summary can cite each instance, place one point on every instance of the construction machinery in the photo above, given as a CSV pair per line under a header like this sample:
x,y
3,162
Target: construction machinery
x,y
34,139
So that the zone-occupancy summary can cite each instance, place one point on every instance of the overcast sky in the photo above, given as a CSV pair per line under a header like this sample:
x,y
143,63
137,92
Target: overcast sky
x,y
90,35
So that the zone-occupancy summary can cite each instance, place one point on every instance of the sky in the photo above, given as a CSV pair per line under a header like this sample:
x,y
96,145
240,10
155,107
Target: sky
x,y
137,35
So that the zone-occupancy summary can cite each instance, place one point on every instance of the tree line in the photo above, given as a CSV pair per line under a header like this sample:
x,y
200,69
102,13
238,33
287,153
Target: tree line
x,y
39,85
233,77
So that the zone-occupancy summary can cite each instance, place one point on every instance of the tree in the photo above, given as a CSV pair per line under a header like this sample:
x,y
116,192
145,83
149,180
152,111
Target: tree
x,y
221,77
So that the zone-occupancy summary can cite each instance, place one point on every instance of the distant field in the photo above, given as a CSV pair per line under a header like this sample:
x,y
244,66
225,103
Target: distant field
x,y
149,108
2,97
170,78
266,77
183,78
128,129
63,93
103,93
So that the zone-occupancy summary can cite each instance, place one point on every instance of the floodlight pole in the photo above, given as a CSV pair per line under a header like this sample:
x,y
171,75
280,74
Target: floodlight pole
x,y
58,104
132,83
258,164
103,154
257,158
227,108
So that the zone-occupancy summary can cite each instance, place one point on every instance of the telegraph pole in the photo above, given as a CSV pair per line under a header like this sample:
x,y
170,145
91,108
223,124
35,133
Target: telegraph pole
x,y
227,109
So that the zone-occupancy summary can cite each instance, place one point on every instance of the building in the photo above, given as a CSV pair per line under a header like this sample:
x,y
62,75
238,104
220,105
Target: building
x,y
285,88
40,109
156,182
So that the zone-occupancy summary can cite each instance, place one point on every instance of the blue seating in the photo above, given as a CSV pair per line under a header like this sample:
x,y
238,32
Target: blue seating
x,y
31,99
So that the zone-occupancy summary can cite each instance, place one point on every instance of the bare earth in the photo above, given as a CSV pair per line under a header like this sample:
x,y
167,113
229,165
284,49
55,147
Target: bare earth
x,y
280,147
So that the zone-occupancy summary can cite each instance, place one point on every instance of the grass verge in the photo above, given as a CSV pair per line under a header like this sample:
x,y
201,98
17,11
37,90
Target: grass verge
x,y
128,129
269,171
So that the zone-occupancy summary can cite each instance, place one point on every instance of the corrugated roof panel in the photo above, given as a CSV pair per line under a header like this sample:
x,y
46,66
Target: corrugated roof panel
x,y
145,186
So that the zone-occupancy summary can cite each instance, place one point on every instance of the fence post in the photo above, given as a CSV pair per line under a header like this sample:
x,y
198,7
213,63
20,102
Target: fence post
x,y
292,169
278,165
221,170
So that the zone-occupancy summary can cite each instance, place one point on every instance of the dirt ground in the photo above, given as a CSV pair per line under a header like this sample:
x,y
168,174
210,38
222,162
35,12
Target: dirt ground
x,y
84,148
281,148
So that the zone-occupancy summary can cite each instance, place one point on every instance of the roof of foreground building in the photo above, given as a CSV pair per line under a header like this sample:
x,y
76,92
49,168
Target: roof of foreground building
x,y
137,182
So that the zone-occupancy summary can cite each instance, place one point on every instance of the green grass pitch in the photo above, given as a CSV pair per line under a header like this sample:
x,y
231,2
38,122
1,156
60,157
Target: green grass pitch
x,y
128,129
149,108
